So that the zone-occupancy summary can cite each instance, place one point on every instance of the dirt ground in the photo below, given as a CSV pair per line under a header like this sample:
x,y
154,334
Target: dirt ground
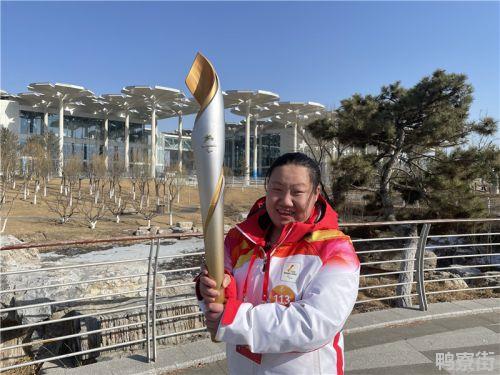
x,y
36,223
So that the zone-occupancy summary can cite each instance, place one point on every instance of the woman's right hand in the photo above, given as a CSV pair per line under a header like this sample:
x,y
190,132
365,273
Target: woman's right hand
x,y
207,287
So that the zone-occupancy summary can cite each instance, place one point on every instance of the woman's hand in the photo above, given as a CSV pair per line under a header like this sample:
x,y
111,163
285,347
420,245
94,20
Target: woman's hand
x,y
208,286
209,293
213,316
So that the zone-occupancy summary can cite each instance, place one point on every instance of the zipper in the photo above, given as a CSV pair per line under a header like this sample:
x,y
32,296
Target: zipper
x,y
281,242
266,261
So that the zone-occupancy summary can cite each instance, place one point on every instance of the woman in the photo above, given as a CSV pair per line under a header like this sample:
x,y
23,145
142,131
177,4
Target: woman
x,y
292,279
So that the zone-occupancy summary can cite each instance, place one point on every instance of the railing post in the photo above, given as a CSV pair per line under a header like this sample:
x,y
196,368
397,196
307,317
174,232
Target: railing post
x,y
155,272
148,287
422,241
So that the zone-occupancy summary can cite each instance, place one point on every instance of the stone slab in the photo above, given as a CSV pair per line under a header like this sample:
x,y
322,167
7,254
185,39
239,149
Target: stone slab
x,y
489,302
397,353
462,322
415,369
357,322
455,339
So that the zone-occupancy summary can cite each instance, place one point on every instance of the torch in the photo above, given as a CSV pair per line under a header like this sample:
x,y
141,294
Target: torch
x,y
208,148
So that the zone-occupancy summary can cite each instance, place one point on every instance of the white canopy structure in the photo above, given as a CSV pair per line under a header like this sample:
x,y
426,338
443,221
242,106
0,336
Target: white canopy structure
x,y
248,102
157,100
103,108
124,105
258,112
64,94
39,101
6,96
180,108
295,113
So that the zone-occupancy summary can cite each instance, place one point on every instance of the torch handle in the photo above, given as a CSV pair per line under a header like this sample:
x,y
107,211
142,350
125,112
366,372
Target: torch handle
x,y
219,299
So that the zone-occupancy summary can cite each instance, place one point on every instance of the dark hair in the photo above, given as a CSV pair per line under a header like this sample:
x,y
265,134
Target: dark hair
x,y
300,159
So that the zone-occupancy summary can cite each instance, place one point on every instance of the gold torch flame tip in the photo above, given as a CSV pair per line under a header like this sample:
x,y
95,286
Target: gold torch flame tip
x,y
202,81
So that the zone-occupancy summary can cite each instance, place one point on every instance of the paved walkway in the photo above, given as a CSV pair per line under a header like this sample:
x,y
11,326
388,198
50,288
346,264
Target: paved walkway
x,y
389,342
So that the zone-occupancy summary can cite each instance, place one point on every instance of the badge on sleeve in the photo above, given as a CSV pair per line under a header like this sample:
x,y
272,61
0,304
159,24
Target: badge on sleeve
x,y
290,272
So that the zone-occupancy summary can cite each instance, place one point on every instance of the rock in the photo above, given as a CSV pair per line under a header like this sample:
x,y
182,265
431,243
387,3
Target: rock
x,y
227,228
432,261
110,337
494,259
130,292
64,292
154,230
456,283
492,279
129,211
187,225
178,230
465,271
242,216
140,232
17,260
162,231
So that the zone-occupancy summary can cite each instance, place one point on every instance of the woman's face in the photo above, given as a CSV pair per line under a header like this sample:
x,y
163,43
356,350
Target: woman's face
x,y
290,196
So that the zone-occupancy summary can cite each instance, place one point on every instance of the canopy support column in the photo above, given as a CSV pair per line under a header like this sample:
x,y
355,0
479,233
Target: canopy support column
x,y
153,143
106,142
61,139
179,129
45,128
247,146
255,139
126,159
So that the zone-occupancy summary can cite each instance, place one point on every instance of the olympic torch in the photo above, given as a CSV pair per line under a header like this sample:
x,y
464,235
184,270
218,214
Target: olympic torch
x,y
208,148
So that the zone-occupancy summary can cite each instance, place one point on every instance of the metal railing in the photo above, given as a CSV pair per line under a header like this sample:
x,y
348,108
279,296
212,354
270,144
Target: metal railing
x,y
161,287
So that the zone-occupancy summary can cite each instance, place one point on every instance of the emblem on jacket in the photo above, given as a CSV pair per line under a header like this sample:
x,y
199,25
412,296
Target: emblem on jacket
x,y
290,272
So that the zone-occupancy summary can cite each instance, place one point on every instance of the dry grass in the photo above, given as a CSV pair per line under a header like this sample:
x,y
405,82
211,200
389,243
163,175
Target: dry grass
x,y
36,223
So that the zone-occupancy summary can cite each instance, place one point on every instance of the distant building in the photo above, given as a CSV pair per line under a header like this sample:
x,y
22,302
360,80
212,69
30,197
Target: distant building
x,y
119,127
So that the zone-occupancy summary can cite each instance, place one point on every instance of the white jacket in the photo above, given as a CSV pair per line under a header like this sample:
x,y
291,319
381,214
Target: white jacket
x,y
296,300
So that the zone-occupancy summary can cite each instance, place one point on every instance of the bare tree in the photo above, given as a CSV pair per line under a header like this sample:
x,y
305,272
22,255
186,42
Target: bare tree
x,y
117,206
27,176
4,216
144,208
93,211
96,172
63,206
172,184
72,170
116,173
38,164
139,172
8,157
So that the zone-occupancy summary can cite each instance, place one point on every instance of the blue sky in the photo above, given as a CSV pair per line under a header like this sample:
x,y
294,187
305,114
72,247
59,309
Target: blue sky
x,y
303,51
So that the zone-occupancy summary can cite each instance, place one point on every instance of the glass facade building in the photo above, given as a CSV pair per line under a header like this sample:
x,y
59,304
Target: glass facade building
x,y
268,149
169,154
84,137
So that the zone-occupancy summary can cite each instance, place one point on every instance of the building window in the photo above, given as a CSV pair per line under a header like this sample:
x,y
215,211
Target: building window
x,y
31,122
